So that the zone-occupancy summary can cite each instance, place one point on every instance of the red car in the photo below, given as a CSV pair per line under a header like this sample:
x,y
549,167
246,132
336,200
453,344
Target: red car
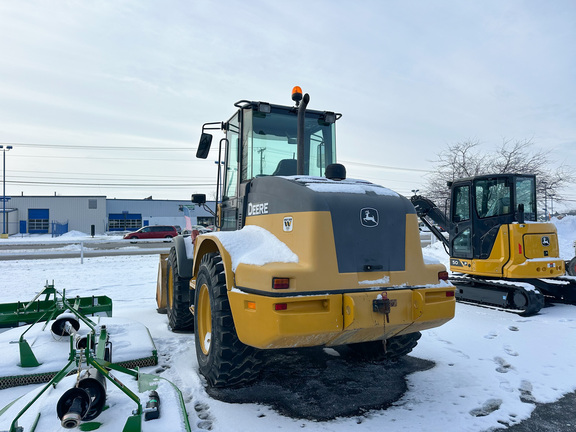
x,y
156,231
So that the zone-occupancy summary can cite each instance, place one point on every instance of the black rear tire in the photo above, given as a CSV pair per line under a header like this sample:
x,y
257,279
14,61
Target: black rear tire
x,y
390,349
178,297
571,269
222,358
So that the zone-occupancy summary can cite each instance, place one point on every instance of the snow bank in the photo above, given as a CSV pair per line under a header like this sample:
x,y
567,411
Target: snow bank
x,y
566,228
68,237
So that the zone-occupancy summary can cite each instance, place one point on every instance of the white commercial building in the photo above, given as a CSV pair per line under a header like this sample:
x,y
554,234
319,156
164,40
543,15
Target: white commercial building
x,y
97,214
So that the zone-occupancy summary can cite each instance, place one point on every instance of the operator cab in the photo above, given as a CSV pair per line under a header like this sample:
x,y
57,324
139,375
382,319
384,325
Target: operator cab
x,y
480,205
262,140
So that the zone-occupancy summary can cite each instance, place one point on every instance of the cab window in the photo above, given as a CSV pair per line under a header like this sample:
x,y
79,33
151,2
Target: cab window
x,y
525,194
461,207
493,197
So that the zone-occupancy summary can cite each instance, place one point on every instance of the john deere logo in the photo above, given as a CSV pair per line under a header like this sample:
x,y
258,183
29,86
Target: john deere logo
x,y
369,217
545,241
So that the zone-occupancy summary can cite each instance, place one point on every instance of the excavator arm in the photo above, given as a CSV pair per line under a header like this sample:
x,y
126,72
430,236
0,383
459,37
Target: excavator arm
x,y
432,217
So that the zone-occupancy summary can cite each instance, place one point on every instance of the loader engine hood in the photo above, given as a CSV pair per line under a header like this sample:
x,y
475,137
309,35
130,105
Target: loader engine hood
x,y
368,220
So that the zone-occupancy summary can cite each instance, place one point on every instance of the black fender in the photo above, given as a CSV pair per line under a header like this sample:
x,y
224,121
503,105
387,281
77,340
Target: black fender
x,y
184,263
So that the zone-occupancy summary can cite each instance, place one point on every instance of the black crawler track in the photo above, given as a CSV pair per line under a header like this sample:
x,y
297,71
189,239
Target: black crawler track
x,y
522,296
500,294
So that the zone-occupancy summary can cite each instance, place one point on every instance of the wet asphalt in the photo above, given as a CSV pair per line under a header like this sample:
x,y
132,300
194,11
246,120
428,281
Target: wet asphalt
x,y
314,385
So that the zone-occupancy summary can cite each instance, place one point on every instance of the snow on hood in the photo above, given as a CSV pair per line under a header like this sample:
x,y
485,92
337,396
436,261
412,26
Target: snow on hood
x,y
324,185
254,245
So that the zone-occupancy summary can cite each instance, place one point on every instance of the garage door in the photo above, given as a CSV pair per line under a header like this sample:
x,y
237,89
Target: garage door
x,y
38,221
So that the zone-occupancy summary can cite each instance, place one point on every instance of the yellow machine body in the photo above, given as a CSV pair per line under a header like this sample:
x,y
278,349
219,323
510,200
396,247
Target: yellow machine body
x,y
343,310
520,251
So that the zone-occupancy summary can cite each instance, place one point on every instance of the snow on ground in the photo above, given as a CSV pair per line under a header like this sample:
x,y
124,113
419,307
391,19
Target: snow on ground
x,y
490,366
70,236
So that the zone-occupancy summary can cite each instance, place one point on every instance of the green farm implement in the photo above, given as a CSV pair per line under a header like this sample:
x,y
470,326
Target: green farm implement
x,y
50,303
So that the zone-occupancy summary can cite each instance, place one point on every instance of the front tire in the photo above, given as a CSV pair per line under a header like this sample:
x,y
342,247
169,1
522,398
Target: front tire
x,y
222,358
178,297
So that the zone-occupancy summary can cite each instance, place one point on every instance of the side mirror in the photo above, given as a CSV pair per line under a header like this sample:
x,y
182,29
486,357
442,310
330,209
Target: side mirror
x,y
204,146
199,199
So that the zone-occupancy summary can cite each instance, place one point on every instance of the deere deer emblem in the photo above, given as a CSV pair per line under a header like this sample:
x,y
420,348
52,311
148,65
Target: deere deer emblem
x,y
545,241
369,217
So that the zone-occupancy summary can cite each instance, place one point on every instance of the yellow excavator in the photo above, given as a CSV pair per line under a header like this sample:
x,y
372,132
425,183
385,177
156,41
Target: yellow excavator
x,y
302,256
500,254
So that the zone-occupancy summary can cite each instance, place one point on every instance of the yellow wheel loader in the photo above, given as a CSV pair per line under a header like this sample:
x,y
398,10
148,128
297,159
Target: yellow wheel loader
x,y
302,256
499,253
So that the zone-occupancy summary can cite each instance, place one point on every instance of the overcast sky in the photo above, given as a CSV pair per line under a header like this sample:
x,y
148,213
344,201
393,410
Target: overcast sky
x,y
108,97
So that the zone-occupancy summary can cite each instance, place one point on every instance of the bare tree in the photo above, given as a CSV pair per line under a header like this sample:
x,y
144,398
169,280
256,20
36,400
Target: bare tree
x,y
464,159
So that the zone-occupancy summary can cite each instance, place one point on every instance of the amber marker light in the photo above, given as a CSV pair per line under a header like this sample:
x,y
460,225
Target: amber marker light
x,y
280,283
297,95
251,305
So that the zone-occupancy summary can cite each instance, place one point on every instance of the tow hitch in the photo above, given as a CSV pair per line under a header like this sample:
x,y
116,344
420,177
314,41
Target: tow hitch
x,y
382,304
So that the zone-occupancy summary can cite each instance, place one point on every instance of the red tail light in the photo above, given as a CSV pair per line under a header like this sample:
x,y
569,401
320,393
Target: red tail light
x,y
280,306
443,275
280,283
449,293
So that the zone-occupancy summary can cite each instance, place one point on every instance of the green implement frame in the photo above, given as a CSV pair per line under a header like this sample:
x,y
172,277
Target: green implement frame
x,y
96,358
50,303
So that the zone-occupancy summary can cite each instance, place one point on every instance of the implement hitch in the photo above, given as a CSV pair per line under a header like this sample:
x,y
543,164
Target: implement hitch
x,y
383,305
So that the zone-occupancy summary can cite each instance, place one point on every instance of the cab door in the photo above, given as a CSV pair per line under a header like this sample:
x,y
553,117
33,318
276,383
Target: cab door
x,y
229,200
461,227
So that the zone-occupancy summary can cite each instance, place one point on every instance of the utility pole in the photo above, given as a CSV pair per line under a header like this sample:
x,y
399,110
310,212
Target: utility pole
x,y
261,151
545,200
4,199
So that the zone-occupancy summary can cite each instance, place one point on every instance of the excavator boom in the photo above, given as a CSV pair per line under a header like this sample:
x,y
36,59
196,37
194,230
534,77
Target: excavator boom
x,y
427,211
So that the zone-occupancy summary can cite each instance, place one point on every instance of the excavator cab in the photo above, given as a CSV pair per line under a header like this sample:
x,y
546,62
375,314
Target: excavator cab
x,y
481,205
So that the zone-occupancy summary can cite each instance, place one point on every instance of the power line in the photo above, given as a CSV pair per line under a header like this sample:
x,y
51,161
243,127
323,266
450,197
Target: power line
x,y
100,147
152,185
107,177
85,173
387,167
130,158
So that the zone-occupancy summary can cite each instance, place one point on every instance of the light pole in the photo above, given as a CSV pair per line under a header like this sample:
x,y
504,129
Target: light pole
x,y
545,200
415,191
4,150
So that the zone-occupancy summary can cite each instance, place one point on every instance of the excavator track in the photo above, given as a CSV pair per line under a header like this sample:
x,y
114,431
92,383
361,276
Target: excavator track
x,y
522,298
561,289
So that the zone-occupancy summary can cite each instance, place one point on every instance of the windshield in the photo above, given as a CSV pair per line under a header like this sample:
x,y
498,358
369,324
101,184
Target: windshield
x,y
493,197
270,144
